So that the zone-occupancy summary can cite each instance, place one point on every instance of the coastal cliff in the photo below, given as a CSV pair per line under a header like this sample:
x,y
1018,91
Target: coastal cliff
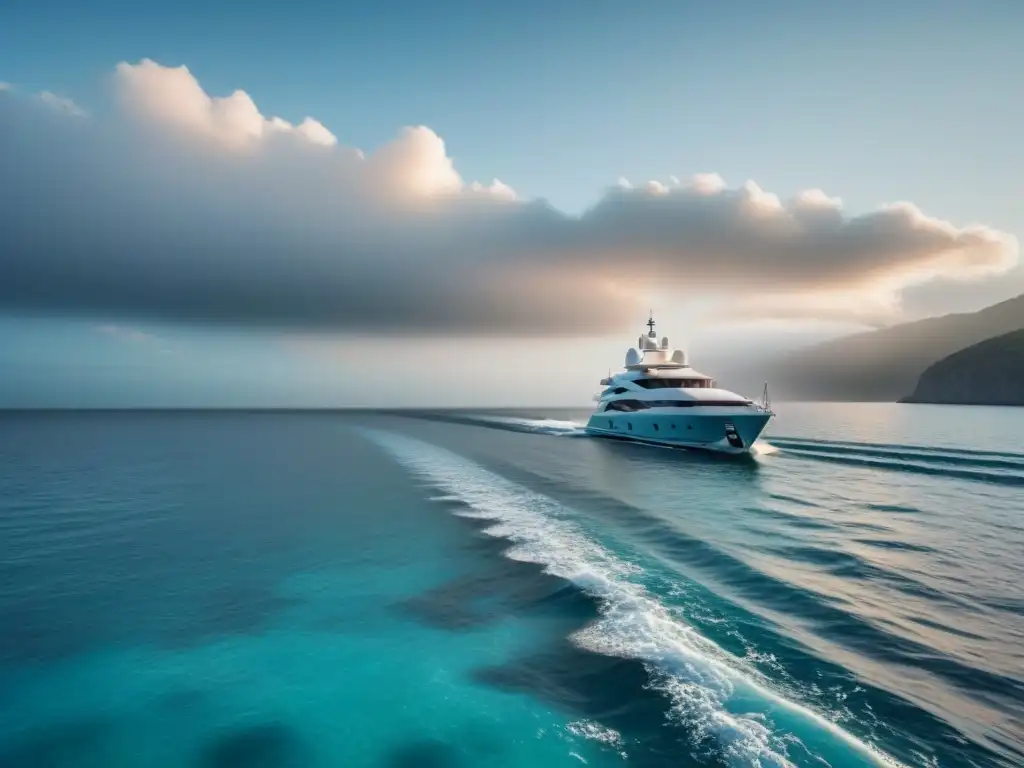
x,y
885,365
990,372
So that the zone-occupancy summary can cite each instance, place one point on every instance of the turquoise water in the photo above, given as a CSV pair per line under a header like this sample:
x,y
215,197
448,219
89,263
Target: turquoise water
x,y
497,589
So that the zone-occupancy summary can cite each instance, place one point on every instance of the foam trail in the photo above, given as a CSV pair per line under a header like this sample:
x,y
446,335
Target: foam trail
x,y
712,694
544,426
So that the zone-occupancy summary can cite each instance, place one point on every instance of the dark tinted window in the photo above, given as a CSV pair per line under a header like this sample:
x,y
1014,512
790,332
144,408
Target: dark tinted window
x,y
673,383
659,383
639,405
626,405
690,403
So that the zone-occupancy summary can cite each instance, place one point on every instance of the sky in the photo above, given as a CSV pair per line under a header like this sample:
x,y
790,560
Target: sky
x,y
472,203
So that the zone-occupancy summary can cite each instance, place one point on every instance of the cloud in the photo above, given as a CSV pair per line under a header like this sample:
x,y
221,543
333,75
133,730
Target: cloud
x,y
4,86
61,104
172,96
198,208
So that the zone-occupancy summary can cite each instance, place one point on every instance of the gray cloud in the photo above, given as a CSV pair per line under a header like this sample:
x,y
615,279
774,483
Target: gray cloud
x,y
191,208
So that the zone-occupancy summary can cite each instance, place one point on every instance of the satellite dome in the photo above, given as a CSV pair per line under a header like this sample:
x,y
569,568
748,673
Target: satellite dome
x,y
678,356
632,357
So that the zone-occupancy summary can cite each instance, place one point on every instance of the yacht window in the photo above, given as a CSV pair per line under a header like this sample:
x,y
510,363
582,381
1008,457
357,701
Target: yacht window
x,y
629,424
673,383
659,383
639,405
626,405
655,427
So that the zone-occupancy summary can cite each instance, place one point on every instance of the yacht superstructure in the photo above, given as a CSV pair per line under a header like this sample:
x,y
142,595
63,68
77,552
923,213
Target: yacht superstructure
x,y
660,399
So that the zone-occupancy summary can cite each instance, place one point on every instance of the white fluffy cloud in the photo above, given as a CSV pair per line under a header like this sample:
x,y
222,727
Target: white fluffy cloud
x,y
200,208
172,96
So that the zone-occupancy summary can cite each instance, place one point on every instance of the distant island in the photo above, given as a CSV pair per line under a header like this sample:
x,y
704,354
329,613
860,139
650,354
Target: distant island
x,y
886,364
988,373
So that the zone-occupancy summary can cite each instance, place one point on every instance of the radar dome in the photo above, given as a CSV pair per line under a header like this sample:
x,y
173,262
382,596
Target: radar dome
x,y
632,357
678,356
664,342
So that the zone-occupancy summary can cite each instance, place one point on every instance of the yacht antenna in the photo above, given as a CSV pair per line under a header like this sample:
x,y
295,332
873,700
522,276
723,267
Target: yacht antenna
x,y
650,324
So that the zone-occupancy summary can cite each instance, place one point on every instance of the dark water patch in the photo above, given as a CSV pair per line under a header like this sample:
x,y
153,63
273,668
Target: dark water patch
x,y
71,744
268,745
181,700
483,544
448,503
449,606
496,587
899,509
760,532
233,609
615,692
847,565
813,454
424,753
524,587
796,521
958,631
793,500
897,545
500,589
860,525
34,634
1011,605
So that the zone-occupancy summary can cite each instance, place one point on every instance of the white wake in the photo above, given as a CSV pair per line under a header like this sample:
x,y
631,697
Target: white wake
x,y
704,684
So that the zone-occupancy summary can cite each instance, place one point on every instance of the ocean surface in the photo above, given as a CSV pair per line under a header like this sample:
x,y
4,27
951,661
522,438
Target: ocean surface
x,y
272,590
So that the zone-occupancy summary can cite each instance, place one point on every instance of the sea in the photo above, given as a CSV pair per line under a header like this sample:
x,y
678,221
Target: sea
x,y
446,589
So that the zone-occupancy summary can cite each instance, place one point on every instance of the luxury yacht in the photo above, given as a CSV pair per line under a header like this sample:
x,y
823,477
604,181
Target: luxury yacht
x,y
660,399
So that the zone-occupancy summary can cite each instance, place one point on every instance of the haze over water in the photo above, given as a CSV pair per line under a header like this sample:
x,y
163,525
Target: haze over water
x,y
449,589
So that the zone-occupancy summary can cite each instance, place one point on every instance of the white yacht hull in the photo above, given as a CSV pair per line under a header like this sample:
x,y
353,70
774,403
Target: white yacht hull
x,y
725,432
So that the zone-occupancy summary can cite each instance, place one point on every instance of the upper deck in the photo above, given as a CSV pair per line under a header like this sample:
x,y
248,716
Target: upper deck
x,y
653,365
